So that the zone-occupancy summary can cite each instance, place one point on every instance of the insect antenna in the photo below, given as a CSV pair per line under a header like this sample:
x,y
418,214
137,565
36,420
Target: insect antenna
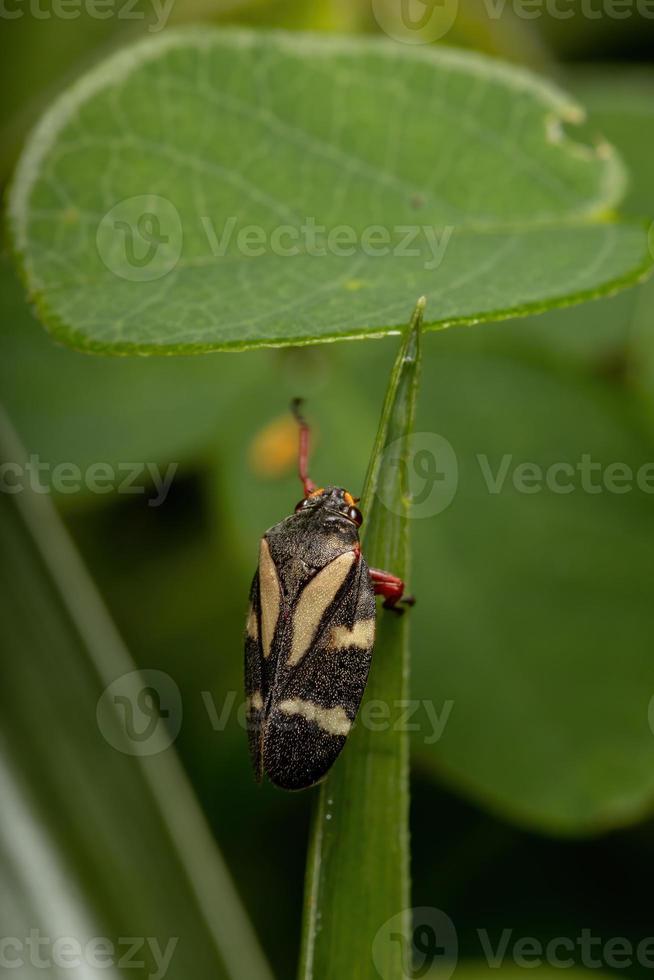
x,y
303,450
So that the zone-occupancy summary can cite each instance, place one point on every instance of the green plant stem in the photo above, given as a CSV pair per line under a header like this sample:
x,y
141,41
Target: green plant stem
x,y
358,864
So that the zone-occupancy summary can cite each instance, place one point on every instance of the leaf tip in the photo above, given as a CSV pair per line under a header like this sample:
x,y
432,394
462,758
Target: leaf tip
x,y
416,319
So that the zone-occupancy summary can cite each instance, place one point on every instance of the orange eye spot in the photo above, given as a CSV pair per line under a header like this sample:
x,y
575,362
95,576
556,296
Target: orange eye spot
x,y
317,491
348,498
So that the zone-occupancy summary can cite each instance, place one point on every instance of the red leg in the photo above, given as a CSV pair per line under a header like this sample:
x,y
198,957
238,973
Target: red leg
x,y
303,454
391,587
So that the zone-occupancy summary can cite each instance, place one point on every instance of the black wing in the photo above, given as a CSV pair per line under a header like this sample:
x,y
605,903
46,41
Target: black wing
x,y
254,686
317,673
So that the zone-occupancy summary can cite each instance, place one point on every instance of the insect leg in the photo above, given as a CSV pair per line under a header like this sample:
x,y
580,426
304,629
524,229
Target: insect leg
x,y
391,588
303,452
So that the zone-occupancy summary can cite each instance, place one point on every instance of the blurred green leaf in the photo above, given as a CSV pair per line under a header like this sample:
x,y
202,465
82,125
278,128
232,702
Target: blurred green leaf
x,y
481,970
621,107
71,408
506,35
624,107
358,863
101,835
175,588
119,212
537,637
594,34
641,350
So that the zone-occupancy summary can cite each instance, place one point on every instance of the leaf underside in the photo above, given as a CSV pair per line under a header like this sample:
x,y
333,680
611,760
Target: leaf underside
x,y
131,199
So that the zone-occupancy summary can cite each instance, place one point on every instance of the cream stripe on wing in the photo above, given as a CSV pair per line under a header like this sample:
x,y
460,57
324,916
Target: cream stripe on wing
x,y
362,635
252,626
314,601
331,720
269,595
254,702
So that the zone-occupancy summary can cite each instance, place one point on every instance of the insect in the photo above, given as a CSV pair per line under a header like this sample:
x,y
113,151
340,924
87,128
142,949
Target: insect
x,y
310,632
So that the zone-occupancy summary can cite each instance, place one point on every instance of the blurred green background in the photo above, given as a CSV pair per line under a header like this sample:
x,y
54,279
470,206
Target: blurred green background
x,y
535,618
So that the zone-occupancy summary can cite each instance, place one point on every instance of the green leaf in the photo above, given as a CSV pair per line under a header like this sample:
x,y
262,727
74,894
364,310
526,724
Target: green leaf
x,y
101,836
136,175
626,111
621,105
601,337
483,970
82,410
543,621
540,636
358,864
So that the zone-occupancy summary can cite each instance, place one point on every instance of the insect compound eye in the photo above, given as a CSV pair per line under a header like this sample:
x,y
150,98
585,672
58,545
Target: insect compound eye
x,y
354,514
302,504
